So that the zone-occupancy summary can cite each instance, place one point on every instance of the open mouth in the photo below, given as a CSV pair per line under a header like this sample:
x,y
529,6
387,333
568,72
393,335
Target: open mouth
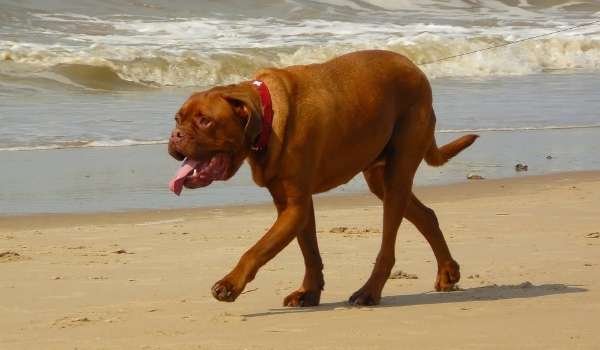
x,y
200,173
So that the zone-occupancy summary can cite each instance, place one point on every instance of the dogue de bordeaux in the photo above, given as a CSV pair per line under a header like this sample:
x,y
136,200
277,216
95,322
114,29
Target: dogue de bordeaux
x,y
306,129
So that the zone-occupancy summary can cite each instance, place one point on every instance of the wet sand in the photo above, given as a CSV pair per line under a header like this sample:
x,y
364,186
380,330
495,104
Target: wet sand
x,y
529,250
92,180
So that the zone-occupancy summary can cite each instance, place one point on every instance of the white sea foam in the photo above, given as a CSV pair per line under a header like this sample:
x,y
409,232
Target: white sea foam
x,y
85,144
127,142
522,128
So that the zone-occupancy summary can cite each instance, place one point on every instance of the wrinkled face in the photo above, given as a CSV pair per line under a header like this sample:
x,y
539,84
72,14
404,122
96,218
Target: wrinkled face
x,y
210,133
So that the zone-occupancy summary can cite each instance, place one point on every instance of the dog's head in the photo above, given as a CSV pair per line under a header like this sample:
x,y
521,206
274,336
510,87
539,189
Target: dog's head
x,y
214,130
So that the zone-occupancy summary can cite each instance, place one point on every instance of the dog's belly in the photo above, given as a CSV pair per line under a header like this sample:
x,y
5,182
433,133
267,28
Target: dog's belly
x,y
325,185
333,177
350,152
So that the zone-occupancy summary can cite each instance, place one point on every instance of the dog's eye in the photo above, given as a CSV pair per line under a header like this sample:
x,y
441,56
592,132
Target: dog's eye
x,y
204,121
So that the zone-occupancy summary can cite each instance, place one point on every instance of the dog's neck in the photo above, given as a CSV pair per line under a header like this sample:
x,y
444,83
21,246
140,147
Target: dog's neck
x,y
262,141
264,164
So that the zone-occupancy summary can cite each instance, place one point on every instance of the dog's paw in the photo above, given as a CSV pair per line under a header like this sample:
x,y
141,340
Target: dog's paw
x,y
448,275
225,291
365,297
303,298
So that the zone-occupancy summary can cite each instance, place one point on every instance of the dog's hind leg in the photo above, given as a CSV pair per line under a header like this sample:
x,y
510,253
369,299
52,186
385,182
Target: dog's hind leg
x,y
426,221
407,147
309,293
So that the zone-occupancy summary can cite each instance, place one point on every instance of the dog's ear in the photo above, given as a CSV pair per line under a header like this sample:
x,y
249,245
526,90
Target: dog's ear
x,y
247,108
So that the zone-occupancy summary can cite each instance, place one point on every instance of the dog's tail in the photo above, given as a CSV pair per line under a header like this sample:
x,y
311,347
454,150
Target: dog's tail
x,y
439,156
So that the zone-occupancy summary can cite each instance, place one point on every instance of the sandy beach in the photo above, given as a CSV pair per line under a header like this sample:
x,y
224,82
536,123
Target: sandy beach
x,y
528,248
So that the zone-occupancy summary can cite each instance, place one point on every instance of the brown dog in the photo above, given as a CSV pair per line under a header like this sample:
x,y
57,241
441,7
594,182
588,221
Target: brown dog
x,y
367,111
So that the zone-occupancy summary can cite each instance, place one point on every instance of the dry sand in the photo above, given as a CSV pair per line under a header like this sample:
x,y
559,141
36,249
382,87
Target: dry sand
x,y
528,248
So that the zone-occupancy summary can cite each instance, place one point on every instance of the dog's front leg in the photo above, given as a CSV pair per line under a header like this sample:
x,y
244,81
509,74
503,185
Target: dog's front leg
x,y
292,217
309,293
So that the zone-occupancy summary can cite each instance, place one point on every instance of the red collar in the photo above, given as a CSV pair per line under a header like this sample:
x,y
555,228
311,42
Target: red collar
x,y
267,117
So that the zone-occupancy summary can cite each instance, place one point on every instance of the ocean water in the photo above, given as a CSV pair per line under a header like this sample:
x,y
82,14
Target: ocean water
x,y
88,89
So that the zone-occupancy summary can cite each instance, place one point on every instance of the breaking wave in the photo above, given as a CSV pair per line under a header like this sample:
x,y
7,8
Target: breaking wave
x,y
129,52
150,70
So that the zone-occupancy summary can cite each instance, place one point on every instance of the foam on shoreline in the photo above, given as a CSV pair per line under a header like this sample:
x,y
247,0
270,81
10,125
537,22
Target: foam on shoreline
x,y
127,142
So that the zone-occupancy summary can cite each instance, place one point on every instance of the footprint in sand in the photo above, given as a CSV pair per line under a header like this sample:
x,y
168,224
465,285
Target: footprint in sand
x,y
226,317
10,256
66,322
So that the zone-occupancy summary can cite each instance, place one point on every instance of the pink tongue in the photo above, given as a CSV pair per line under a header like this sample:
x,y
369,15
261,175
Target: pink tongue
x,y
176,183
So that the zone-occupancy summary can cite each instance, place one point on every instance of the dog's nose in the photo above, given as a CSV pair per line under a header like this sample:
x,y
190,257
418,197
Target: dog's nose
x,y
176,135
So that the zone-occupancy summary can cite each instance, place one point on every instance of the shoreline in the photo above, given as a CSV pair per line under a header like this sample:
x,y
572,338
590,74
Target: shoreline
x,y
109,179
108,144
522,183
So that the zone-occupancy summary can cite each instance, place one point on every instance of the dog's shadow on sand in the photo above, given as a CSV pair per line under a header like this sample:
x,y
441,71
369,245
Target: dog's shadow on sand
x,y
484,293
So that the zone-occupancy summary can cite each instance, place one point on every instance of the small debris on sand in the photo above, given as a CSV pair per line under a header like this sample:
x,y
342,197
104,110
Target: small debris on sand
x,y
226,317
9,256
122,251
471,176
70,321
521,167
473,276
97,278
347,231
593,235
525,285
403,275
339,229
249,291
